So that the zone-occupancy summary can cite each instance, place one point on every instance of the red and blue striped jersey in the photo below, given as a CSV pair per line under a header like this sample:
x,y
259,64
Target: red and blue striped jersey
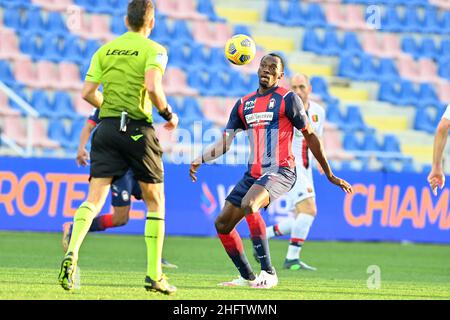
x,y
269,120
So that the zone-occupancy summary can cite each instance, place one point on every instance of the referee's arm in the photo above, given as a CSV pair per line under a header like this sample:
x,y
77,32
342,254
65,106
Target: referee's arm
x,y
153,83
91,94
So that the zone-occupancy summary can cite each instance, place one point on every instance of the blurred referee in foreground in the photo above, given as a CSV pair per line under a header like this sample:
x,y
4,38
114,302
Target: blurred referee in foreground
x,y
130,68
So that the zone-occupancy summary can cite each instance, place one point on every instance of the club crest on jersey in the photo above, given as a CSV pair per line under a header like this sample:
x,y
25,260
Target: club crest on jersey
x,y
249,105
125,195
315,118
272,103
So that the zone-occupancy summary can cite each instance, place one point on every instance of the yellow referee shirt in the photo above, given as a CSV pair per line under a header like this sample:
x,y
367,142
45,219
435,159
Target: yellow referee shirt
x,y
120,66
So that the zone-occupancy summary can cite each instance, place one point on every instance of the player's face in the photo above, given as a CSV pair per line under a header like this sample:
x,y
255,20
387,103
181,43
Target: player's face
x,y
270,71
301,87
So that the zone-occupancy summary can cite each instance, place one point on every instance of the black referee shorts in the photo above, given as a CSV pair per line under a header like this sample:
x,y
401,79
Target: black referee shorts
x,y
114,152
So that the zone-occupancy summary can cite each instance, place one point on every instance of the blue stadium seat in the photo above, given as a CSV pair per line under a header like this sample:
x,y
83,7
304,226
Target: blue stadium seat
x,y
34,20
348,67
330,45
391,20
196,80
430,23
6,74
444,68
314,16
191,110
423,121
181,31
311,41
334,114
74,135
63,106
90,47
428,49
410,46
118,25
387,92
407,94
207,8
294,14
252,82
217,59
12,18
57,132
351,43
51,49
41,102
427,94
274,12
370,143
56,23
387,71
444,49
242,29
216,85
72,50
354,119
411,19
320,87
367,69
445,22
161,33
391,143
351,142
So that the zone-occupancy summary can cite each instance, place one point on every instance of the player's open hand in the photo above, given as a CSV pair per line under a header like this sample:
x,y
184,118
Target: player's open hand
x,y
344,185
193,170
82,157
436,179
173,123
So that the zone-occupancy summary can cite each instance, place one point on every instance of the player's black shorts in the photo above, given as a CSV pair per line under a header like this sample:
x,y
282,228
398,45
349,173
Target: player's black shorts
x,y
277,183
114,152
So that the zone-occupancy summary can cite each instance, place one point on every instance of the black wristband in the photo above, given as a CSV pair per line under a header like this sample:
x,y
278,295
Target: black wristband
x,y
166,114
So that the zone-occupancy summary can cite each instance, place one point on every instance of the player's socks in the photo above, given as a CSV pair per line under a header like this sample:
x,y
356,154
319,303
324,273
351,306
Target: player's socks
x,y
102,223
81,224
154,239
279,229
232,243
299,233
257,228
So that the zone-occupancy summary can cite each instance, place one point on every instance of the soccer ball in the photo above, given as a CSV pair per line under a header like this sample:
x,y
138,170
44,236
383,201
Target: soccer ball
x,y
240,49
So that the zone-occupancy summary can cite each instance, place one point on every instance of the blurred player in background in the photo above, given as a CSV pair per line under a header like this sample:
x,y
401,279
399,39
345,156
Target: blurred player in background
x,y
121,191
269,116
436,178
130,68
301,198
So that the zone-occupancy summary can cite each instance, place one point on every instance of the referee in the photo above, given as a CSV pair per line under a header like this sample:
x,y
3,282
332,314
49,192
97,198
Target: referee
x,y
130,68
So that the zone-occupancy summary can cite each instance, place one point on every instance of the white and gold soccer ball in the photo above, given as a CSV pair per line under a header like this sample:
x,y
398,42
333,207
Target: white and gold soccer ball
x,y
240,49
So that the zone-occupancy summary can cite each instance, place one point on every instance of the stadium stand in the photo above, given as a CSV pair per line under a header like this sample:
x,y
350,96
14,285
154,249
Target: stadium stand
x,y
383,73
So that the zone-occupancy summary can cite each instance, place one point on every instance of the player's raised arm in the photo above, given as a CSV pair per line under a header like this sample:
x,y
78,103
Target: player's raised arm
x,y
296,113
222,146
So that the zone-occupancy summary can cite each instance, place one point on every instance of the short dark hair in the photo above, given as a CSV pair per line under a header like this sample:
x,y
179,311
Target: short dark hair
x,y
273,54
138,13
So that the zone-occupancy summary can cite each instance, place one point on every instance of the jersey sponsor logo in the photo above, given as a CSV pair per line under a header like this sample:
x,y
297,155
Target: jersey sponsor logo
x,y
249,105
272,103
259,117
118,52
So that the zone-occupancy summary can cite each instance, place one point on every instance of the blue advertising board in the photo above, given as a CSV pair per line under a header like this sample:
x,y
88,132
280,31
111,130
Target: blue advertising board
x,y
42,194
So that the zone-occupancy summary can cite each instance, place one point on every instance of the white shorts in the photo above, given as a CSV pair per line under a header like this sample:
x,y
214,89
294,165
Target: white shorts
x,y
303,188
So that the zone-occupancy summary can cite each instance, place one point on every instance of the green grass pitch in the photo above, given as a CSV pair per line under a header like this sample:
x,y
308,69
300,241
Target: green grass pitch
x,y
113,267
